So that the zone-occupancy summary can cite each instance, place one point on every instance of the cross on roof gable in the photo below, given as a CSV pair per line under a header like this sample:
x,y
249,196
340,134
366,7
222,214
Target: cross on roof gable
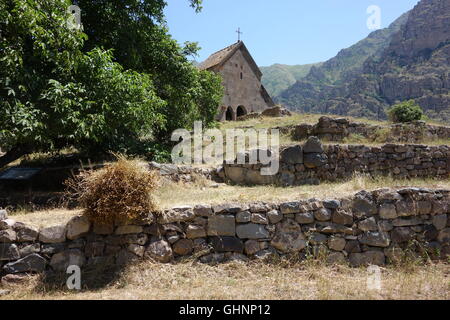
x,y
220,57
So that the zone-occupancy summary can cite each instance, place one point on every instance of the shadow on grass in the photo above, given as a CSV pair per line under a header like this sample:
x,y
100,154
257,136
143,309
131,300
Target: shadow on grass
x,y
93,277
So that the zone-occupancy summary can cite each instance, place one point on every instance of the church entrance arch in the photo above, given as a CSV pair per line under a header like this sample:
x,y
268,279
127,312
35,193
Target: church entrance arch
x,y
229,114
241,111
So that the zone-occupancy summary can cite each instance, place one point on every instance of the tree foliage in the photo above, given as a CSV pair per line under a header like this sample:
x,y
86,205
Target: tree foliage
x,y
98,89
137,33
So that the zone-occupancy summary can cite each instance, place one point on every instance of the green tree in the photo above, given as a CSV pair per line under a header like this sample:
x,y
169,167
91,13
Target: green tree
x,y
405,111
57,92
137,33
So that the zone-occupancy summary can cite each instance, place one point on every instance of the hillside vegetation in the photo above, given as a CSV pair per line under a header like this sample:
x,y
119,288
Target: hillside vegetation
x,y
279,77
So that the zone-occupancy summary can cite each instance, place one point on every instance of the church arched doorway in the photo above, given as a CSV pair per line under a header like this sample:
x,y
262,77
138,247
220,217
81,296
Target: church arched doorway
x,y
241,111
229,114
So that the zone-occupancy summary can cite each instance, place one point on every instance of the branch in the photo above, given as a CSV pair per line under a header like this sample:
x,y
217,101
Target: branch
x,y
14,154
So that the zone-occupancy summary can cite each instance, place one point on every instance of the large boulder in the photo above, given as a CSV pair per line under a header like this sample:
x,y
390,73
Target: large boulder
x,y
235,174
77,227
274,216
172,216
222,225
7,236
26,233
252,231
288,237
369,224
323,214
313,145
336,243
55,234
195,231
375,239
342,217
8,252
292,155
183,247
227,244
160,251
276,111
304,218
229,208
387,211
363,205
31,263
202,210
315,160
289,242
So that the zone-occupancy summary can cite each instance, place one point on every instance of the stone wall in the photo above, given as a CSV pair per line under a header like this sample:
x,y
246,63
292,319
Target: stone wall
x,y
184,173
313,163
332,129
375,227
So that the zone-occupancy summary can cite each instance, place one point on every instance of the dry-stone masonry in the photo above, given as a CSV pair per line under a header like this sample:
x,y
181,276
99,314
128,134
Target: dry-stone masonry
x,y
183,173
375,227
314,162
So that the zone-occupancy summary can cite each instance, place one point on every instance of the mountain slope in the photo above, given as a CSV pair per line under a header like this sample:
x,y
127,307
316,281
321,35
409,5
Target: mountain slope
x,y
410,59
279,77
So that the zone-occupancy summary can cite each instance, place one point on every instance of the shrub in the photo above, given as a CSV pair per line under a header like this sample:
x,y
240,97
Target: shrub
x,y
406,111
118,193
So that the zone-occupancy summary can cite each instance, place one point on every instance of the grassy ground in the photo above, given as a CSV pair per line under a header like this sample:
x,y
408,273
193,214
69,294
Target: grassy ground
x,y
172,194
252,280
296,119
299,118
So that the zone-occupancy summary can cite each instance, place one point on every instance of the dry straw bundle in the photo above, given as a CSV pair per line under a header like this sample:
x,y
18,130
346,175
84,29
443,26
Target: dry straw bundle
x,y
119,192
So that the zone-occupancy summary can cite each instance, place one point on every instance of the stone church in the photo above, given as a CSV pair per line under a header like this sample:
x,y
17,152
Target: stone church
x,y
244,92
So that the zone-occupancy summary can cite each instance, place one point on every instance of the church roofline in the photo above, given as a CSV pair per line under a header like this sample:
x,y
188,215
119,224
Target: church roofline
x,y
220,57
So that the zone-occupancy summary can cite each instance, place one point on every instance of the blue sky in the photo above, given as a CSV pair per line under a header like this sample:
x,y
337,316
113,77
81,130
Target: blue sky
x,y
279,31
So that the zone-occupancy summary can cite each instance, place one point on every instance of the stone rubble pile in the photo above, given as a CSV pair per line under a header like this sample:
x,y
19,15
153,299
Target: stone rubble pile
x,y
332,129
375,227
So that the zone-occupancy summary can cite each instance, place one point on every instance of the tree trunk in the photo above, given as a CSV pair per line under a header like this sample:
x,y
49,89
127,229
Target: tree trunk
x,y
14,154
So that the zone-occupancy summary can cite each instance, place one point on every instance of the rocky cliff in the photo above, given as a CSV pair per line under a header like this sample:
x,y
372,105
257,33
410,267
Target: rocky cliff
x,y
409,60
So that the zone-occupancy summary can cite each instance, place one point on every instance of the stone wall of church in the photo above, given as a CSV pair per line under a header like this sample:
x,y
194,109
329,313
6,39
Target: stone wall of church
x,y
240,92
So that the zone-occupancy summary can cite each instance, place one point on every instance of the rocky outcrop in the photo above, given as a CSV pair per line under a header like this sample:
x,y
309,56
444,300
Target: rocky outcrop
x,y
411,62
276,111
377,227
337,129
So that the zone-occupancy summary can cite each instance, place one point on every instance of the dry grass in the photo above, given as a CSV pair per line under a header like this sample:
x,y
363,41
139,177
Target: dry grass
x,y
203,191
286,139
254,280
175,194
121,191
295,119
45,218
